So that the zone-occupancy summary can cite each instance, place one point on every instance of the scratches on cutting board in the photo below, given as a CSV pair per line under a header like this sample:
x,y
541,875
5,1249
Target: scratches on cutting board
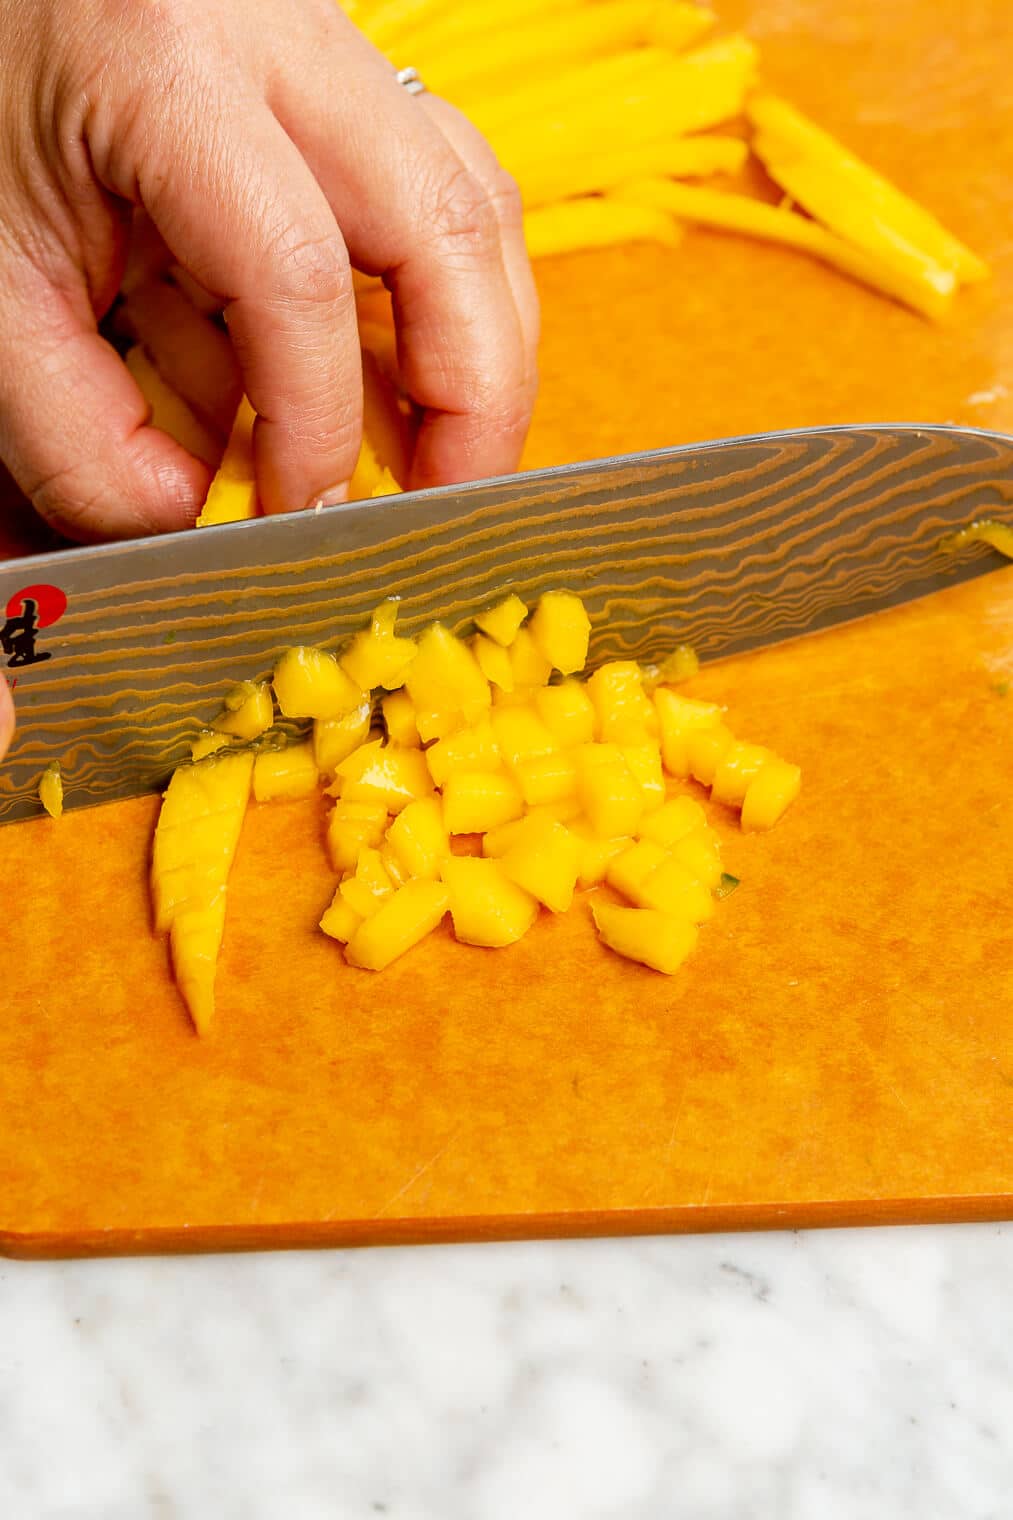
x,y
419,1172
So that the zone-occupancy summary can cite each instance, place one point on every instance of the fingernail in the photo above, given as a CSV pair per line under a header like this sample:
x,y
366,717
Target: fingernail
x,y
332,497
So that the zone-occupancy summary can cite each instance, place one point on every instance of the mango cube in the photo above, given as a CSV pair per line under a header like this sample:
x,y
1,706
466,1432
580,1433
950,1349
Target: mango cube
x,y
679,665
469,749
671,888
365,891
594,854
736,769
51,790
402,921
309,683
289,772
769,793
384,773
706,749
567,712
475,801
627,872
444,677
487,907
609,794
642,934
399,716
249,711
340,920
529,665
353,827
561,630
546,779
544,859
334,739
502,621
700,853
623,714
521,734
493,661
673,820
680,718
644,762
377,656
418,839
207,743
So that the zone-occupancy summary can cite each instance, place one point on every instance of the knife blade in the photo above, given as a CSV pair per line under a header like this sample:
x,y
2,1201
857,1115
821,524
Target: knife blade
x,y
119,653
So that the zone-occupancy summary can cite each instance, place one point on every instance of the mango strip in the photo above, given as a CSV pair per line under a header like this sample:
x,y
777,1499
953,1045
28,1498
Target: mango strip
x,y
675,158
233,492
597,79
435,29
595,222
849,196
678,25
169,412
739,213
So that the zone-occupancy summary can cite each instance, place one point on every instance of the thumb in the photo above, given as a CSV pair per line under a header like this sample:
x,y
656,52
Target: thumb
x,y
73,424
6,717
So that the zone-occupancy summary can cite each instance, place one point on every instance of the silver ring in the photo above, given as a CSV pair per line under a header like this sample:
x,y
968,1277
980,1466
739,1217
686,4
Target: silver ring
x,y
412,81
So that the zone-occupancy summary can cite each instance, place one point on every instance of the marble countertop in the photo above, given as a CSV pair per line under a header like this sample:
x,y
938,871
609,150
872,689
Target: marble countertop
x,y
866,1375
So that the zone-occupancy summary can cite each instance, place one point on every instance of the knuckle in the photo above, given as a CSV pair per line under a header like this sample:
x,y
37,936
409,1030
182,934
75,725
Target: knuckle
x,y
463,216
505,196
311,271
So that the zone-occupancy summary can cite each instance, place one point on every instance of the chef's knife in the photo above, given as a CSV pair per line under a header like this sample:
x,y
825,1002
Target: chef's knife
x,y
119,653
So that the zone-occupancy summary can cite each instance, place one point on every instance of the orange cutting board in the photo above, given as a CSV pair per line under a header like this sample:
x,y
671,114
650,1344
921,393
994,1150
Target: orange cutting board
x,y
838,1049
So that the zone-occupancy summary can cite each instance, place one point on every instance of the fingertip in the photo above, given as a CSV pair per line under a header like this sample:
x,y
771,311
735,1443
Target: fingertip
x,y
158,488
6,717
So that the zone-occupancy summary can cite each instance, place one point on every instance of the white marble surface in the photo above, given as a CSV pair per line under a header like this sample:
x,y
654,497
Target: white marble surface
x,y
844,1375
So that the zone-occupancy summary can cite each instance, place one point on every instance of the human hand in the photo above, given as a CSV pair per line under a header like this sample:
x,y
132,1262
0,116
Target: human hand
x,y
6,717
269,159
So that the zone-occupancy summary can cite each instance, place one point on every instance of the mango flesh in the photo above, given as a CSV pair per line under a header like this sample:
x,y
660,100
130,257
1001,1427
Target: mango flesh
x,y
487,908
249,711
309,683
289,772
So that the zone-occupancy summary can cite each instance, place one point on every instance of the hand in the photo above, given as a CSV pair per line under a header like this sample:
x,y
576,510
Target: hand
x,y
6,717
269,159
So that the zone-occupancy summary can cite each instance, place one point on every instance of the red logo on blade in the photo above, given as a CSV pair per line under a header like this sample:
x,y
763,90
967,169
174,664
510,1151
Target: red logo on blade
x,y
29,611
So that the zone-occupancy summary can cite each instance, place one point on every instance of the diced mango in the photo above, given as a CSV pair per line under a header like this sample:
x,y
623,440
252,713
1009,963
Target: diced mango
x,y
529,665
334,739
544,859
675,818
561,630
469,749
627,872
361,899
567,712
486,906
642,934
198,829
418,838
623,714
309,683
502,621
444,678
207,743
249,711
438,723
372,873
671,888
680,718
700,853
353,827
594,854
392,865
521,734
377,656
399,715
644,761
706,749
289,772
738,765
403,920
547,778
51,790
475,801
770,793
384,773
493,661
608,792
340,920
679,665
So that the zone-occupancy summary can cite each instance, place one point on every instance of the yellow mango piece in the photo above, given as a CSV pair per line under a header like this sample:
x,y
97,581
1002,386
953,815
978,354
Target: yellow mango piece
x,y
502,621
680,717
561,177
469,749
444,678
672,888
207,743
595,221
232,494
736,769
623,714
609,794
547,778
198,829
289,772
309,683
521,734
353,827
627,872
377,656
169,412
249,711
679,665
475,801
544,859
418,838
676,818
403,920
51,790
360,898
567,712
561,630
486,906
700,853
706,750
334,739
399,716
644,761
340,920
384,773
493,661
642,934
769,794
594,854
393,866
529,665
986,530
372,873
439,723
195,938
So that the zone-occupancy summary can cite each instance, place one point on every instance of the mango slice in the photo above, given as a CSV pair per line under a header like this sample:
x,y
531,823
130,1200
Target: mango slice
x,y
487,908
309,683
289,772
403,921
644,934
51,790
249,711
502,621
